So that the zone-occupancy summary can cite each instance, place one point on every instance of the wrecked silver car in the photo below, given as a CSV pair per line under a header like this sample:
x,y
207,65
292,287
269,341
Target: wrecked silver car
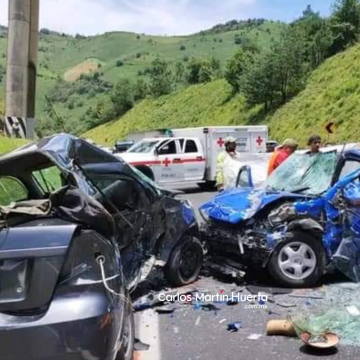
x,y
79,229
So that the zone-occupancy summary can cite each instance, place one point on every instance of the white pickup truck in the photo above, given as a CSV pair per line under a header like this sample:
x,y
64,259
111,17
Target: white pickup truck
x,y
189,155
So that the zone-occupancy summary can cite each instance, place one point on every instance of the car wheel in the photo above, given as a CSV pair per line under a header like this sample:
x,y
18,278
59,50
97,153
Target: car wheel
x,y
126,351
185,262
299,261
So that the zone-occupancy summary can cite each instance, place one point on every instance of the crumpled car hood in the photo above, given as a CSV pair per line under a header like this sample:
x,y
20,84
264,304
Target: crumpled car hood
x,y
241,204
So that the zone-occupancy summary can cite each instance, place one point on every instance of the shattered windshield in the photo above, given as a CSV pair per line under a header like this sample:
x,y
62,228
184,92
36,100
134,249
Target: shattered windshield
x,y
143,147
305,174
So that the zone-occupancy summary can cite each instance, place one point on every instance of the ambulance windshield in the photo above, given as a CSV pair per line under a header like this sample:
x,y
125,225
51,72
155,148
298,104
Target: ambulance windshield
x,y
143,147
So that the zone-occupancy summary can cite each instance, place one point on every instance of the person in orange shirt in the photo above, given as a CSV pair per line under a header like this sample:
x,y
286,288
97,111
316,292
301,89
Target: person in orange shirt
x,y
282,152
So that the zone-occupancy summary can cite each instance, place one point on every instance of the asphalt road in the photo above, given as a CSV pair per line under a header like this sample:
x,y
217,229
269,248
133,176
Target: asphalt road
x,y
191,333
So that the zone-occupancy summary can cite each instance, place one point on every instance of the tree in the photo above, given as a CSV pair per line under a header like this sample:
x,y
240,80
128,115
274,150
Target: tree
x,y
205,72
193,71
235,68
161,78
119,63
141,89
179,76
122,97
288,63
317,36
259,82
277,74
319,47
202,71
345,23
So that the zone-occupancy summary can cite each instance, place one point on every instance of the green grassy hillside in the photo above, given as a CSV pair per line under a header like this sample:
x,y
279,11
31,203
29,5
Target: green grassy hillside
x,y
7,145
198,105
62,56
332,94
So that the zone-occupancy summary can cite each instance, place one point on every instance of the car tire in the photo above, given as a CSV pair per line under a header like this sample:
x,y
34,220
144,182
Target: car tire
x,y
185,262
298,261
126,351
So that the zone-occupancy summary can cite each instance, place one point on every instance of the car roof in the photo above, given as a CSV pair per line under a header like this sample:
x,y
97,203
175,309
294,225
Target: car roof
x,y
58,149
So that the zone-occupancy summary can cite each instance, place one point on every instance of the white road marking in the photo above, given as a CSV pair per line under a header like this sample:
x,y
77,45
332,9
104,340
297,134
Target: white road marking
x,y
149,333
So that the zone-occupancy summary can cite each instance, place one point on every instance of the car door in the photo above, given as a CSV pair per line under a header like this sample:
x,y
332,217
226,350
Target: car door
x,y
193,160
171,168
131,209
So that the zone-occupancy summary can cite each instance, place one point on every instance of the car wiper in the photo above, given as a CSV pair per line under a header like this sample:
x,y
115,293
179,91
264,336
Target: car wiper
x,y
300,190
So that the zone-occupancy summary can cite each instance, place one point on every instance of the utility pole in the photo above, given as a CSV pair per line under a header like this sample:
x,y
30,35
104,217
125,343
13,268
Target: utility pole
x,y
21,71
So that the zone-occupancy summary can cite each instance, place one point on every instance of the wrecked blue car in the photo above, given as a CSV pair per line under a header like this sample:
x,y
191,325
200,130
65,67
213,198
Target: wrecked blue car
x,y
304,217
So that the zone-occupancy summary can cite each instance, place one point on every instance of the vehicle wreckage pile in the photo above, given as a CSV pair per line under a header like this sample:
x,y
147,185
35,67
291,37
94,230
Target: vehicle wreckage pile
x,y
93,222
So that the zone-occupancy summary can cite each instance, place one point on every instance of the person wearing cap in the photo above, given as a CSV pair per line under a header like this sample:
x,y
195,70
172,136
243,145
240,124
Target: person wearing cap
x,y
282,152
230,150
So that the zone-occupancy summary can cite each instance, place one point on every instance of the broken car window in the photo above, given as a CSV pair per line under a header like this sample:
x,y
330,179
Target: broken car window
x,y
49,179
305,174
121,192
11,190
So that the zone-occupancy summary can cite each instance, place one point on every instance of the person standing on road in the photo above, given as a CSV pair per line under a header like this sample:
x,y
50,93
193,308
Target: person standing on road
x,y
314,144
282,152
230,150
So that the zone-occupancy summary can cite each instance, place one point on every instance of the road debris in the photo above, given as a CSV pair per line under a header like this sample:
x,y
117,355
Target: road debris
x,y
221,321
153,299
322,341
197,322
307,296
280,327
285,304
165,310
254,336
232,302
235,326
140,346
255,289
353,310
270,312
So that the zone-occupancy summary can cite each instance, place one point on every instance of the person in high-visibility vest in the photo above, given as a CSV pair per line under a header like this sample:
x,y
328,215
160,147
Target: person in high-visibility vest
x,y
230,150
281,153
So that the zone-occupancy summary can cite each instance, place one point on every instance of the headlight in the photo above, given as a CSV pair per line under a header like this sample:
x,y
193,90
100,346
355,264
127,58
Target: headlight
x,y
281,214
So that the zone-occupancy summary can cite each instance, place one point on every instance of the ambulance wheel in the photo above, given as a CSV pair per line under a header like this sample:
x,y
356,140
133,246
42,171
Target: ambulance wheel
x,y
146,171
207,186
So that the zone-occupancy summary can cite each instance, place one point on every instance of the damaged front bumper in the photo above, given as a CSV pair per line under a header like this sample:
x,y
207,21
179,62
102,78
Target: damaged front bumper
x,y
251,247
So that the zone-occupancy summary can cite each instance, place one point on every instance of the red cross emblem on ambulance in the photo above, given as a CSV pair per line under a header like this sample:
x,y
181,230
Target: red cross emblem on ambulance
x,y
166,162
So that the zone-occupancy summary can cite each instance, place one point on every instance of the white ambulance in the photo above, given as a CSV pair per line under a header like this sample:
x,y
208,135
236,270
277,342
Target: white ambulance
x,y
189,155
